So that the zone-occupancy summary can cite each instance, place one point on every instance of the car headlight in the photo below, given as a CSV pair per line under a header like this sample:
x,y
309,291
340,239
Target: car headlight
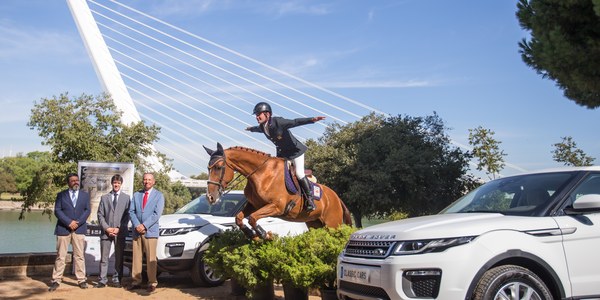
x,y
426,246
178,231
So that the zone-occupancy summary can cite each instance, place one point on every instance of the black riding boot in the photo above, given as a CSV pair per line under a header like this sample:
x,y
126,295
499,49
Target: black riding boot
x,y
305,185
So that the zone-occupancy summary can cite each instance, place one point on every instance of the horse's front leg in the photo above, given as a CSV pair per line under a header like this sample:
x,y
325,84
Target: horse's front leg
x,y
239,220
265,211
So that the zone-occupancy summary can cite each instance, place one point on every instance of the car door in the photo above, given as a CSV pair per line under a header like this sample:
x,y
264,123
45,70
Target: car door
x,y
282,227
581,241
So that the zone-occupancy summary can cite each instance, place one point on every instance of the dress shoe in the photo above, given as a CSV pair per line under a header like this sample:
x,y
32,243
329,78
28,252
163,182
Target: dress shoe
x,y
83,285
151,289
134,287
53,286
100,285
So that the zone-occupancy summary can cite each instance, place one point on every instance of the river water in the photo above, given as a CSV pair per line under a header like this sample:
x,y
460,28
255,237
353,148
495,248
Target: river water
x,y
33,234
36,232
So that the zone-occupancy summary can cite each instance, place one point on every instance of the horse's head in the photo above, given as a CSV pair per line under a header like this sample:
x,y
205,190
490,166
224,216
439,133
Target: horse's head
x,y
219,175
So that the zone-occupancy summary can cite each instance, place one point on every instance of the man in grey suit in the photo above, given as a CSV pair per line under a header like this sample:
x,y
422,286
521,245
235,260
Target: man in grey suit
x,y
146,208
113,216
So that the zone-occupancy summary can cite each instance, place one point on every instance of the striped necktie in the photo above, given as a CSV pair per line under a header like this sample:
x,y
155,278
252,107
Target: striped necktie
x,y
73,198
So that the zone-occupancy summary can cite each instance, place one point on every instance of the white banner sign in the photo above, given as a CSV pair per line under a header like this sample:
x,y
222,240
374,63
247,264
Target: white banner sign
x,y
95,178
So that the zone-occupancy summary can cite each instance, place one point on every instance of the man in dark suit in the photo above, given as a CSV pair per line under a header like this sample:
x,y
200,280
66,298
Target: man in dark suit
x,y
113,216
71,208
146,208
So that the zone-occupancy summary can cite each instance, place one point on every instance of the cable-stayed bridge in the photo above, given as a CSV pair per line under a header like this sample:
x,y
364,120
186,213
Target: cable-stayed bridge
x,y
198,91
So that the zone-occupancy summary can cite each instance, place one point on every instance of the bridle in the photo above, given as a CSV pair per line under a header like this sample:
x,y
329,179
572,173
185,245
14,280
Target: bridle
x,y
214,160
221,168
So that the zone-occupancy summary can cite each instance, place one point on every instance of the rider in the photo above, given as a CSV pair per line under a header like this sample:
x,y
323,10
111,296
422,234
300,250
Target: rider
x,y
276,129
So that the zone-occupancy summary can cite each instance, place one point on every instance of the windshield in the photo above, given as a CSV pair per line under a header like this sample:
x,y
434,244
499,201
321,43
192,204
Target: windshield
x,y
229,205
524,195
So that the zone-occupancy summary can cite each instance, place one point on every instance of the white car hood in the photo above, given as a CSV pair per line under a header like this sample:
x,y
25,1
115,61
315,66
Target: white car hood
x,y
451,225
191,220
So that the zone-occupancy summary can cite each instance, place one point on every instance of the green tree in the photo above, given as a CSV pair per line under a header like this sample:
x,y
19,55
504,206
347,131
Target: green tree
x,y
7,182
384,166
89,128
333,158
411,167
487,151
567,152
24,167
84,128
564,45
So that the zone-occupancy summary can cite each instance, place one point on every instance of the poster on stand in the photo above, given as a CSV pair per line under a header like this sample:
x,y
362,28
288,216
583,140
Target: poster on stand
x,y
94,178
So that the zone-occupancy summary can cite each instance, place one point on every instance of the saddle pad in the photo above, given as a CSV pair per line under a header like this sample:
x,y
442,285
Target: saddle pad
x,y
294,189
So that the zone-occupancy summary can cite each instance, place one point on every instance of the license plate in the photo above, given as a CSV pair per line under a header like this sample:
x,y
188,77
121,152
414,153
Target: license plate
x,y
359,274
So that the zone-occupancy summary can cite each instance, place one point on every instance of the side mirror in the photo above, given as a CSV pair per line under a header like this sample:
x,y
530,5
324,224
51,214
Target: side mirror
x,y
589,201
584,204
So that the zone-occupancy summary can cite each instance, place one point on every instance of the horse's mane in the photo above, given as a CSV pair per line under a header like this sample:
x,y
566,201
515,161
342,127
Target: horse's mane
x,y
249,150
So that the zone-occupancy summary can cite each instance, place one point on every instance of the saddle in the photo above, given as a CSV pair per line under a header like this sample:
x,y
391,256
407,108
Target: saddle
x,y
293,187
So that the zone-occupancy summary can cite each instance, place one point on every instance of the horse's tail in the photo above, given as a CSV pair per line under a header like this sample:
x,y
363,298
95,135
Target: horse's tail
x,y
346,212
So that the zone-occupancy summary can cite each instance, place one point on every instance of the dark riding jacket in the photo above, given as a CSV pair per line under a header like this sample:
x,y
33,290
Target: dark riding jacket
x,y
279,133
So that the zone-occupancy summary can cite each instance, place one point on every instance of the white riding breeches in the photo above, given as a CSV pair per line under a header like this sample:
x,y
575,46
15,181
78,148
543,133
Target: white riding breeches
x,y
299,166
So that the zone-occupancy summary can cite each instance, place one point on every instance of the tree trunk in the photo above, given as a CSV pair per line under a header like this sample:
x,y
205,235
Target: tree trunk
x,y
357,219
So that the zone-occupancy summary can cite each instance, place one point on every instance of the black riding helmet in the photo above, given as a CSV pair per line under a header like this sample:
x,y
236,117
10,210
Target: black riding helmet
x,y
260,107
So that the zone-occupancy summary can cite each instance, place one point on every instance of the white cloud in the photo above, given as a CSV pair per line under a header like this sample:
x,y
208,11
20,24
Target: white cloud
x,y
188,7
277,8
16,43
301,7
377,84
371,15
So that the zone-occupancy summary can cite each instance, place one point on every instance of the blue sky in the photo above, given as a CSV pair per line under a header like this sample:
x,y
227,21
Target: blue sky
x,y
457,58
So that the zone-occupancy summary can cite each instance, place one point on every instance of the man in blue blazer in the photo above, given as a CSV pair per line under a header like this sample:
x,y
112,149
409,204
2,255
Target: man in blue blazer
x,y
71,208
146,208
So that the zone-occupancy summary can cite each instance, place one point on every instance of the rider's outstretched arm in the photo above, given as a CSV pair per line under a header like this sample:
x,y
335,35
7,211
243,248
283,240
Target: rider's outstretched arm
x,y
253,128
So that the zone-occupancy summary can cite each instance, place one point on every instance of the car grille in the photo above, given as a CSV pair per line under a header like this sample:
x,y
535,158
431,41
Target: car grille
x,y
369,249
362,289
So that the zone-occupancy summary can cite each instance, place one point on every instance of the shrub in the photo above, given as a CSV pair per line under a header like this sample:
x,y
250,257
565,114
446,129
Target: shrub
x,y
309,260
306,261
220,248
233,255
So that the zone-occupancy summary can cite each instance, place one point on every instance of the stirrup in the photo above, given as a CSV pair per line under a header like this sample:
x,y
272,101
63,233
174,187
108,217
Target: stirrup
x,y
307,206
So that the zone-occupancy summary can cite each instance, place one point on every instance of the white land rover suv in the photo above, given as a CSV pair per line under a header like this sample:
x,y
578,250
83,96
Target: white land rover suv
x,y
185,234
530,236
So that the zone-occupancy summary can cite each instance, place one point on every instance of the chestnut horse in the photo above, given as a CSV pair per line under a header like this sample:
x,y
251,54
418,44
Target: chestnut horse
x,y
266,192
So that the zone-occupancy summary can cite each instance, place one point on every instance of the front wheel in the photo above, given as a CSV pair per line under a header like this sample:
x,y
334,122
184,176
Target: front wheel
x,y
511,282
203,274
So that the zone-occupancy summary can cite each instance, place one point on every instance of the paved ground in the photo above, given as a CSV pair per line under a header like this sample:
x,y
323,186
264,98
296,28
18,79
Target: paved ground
x,y
170,287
